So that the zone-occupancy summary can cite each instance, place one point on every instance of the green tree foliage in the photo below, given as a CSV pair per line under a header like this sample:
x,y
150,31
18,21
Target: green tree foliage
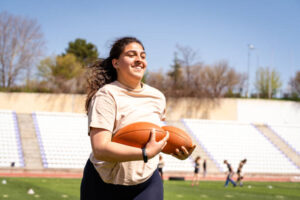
x,y
176,73
65,67
86,53
295,84
62,73
146,74
267,82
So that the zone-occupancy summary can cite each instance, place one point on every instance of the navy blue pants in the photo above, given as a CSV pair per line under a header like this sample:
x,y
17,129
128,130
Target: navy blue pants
x,y
228,179
93,187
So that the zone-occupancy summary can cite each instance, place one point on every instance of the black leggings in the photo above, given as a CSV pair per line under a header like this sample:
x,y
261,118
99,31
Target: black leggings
x,y
93,187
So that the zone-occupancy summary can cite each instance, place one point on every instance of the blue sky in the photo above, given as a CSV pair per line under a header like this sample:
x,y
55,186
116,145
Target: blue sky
x,y
216,30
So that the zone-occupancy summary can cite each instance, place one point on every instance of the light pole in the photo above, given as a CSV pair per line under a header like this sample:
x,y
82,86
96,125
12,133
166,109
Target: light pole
x,y
250,47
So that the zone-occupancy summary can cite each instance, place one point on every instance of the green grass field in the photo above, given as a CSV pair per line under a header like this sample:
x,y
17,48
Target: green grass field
x,y
54,189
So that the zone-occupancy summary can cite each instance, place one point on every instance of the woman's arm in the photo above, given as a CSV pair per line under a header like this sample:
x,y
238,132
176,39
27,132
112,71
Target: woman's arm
x,y
106,150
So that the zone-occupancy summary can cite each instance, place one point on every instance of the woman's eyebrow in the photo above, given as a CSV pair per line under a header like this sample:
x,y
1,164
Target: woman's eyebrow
x,y
134,51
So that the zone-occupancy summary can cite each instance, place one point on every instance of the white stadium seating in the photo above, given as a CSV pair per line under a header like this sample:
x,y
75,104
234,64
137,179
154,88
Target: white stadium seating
x,y
235,141
63,139
288,133
173,164
10,144
64,142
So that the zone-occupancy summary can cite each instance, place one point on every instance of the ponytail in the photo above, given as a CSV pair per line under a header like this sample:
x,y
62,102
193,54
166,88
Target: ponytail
x,y
100,73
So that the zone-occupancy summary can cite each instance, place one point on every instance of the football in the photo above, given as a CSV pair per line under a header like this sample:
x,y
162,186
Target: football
x,y
177,138
138,134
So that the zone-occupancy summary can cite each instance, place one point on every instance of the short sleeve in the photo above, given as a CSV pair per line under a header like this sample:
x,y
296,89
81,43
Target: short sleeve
x,y
102,111
163,113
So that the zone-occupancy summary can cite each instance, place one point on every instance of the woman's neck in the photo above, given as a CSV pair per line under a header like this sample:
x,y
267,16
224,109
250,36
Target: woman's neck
x,y
132,85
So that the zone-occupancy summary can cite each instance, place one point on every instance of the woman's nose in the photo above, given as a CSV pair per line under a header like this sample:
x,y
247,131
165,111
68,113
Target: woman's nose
x,y
138,58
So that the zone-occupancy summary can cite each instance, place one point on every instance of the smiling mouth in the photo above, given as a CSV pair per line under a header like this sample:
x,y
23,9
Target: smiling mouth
x,y
138,67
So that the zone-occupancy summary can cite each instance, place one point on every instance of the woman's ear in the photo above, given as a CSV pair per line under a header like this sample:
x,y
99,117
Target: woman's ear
x,y
115,63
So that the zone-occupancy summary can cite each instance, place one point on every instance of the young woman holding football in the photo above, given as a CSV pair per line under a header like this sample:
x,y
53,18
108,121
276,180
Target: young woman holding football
x,y
117,97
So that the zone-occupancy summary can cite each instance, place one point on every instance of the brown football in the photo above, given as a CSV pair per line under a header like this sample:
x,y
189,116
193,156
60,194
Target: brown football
x,y
138,134
177,138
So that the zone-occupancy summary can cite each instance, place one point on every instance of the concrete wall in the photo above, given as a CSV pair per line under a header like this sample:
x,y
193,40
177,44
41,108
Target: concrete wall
x,y
268,111
249,110
30,102
176,108
222,109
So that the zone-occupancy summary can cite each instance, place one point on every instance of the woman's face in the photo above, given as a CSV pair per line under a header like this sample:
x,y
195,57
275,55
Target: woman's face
x,y
131,64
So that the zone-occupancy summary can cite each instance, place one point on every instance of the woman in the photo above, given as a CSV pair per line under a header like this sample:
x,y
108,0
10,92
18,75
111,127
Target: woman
x,y
117,98
196,171
161,164
204,168
240,176
230,174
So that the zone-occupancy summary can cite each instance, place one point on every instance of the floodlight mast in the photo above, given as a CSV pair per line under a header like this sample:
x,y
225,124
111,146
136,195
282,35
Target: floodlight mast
x,y
250,47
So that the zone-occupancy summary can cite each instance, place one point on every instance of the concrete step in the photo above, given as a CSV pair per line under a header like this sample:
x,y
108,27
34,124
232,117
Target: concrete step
x,y
277,141
30,146
212,166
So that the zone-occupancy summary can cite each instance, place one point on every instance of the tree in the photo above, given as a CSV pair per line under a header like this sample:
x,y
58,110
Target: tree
x,y
176,73
206,81
158,80
63,73
21,42
86,53
295,84
188,56
267,82
219,79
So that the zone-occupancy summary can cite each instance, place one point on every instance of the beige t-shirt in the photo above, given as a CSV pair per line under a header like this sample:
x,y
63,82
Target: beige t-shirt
x,y
115,106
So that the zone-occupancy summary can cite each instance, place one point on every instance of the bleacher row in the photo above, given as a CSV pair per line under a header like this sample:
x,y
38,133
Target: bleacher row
x,y
10,142
64,143
235,141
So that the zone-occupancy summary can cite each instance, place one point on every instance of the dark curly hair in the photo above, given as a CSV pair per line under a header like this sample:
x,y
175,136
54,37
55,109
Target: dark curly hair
x,y
102,71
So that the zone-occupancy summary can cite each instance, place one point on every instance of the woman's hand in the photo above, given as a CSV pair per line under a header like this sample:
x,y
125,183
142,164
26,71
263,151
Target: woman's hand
x,y
153,147
183,154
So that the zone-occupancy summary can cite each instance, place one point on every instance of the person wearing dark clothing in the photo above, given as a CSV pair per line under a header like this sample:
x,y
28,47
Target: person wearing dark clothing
x,y
196,171
204,168
229,175
160,166
239,172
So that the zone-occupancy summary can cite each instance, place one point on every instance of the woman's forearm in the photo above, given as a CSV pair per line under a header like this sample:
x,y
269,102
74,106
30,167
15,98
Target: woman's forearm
x,y
115,152
106,150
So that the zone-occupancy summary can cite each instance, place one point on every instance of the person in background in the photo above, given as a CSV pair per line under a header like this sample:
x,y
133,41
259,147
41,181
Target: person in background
x,y
204,168
160,166
229,174
12,165
239,172
196,177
